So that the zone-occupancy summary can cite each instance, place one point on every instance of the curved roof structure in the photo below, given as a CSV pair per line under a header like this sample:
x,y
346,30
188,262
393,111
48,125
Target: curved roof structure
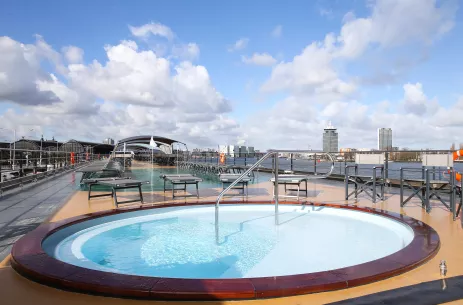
x,y
144,141
147,139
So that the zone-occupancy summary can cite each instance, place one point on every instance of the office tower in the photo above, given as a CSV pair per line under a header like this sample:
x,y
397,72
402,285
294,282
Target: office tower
x,y
384,139
330,139
251,152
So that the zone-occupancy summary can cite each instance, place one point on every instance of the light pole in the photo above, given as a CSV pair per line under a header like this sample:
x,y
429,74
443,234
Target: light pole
x,y
41,139
40,160
56,159
32,129
14,144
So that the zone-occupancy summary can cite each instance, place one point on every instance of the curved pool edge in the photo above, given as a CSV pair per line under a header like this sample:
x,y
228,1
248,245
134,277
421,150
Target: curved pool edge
x,y
29,259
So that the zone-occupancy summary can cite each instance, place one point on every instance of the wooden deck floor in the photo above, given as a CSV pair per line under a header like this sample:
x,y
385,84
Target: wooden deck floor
x,y
18,291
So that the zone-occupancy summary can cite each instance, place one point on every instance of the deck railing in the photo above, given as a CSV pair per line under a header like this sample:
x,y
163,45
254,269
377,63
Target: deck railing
x,y
314,162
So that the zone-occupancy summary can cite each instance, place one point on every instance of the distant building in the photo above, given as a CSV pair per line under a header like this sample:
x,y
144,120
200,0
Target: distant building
x,y
230,150
384,139
108,141
330,139
243,151
343,151
251,152
237,151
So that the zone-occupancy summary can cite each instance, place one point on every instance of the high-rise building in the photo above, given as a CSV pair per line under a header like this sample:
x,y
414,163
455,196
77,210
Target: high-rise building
x,y
108,141
251,152
330,139
384,139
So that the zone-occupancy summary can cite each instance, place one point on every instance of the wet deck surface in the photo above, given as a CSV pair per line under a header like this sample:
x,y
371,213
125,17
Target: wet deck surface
x,y
422,285
22,210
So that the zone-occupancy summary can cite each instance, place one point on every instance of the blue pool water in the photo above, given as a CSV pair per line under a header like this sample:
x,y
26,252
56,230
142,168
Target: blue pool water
x,y
180,242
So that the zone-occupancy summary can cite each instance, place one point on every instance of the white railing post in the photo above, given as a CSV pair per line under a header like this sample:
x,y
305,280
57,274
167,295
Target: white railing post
x,y
277,160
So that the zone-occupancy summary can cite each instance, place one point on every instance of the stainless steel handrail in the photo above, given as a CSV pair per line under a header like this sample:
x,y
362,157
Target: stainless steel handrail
x,y
249,170
270,153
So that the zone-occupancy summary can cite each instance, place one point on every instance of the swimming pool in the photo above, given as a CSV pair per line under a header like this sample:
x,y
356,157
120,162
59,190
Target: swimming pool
x,y
180,242
312,244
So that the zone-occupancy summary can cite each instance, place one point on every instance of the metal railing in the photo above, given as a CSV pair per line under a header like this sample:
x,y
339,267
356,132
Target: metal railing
x,y
21,181
272,152
314,162
23,166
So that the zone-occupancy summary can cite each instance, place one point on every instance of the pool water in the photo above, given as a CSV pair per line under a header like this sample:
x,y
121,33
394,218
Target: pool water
x,y
180,242
157,183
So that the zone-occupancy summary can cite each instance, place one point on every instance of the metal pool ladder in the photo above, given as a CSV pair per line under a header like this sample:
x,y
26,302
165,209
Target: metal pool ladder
x,y
275,165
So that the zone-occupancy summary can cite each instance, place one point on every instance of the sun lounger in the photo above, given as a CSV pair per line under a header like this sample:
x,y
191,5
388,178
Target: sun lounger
x,y
291,179
115,184
181,179
229,178
105,168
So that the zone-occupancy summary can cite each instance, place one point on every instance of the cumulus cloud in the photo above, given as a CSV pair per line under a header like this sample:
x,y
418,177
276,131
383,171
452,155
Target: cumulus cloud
x,y
188,51
310,71
137,89
153,28
259,59
415,101
240,44
21,73
396,22
137,77
134,91
315,83
73,54
277,31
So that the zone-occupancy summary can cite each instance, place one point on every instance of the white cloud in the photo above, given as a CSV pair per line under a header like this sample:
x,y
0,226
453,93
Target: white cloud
x,y
141,78
156,29
188,51
21,72
313,70
137,91
396,22
299,122
240,44
73,102
348,17
451,116
316,83
259,59
73,55
277,31
310,71
326,13
415,101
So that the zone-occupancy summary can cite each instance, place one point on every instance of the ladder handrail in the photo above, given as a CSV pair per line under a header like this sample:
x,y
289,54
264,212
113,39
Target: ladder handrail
x,y
270,153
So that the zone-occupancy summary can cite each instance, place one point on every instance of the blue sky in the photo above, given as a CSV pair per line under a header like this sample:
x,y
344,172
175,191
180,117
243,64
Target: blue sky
x,y
427,57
